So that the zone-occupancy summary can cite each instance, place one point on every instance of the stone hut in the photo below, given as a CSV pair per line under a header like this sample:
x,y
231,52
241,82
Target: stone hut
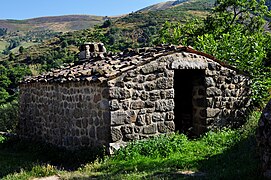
x,y
110,99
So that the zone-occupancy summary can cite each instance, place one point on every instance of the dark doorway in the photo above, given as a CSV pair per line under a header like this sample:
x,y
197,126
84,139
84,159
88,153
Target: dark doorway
x,y
185,85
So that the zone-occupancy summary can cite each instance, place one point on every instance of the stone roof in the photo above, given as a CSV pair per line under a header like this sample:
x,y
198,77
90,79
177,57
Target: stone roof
x,y
102,67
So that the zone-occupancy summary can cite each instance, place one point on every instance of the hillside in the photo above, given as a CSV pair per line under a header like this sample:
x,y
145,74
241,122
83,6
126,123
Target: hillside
x,y
33,52
160,6
54,23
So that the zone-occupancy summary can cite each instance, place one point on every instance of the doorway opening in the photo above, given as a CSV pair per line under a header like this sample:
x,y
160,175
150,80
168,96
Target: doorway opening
x,y
186,86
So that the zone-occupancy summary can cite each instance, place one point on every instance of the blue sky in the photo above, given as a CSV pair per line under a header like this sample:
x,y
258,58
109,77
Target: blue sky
x,y
24,9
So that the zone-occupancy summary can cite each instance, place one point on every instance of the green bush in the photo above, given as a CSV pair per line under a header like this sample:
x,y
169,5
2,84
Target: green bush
x,y
9,116
161,146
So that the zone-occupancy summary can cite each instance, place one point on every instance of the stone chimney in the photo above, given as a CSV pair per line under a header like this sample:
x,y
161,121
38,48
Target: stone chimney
x,y
89,49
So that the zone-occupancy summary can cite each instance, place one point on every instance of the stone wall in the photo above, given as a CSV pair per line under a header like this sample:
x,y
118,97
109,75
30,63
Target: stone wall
x,y
141,104
142,100
70,115
228,96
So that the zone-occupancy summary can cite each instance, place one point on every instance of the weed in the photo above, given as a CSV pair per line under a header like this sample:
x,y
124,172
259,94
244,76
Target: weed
x,y
225,154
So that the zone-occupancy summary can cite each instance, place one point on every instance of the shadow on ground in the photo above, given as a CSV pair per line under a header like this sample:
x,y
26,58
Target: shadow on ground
x,y
239,162
16,154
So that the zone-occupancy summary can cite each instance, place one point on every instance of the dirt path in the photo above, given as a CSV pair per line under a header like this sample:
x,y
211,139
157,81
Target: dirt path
x,y
48,178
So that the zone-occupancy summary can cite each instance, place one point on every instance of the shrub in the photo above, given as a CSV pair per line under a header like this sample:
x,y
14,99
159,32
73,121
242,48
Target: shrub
x,y
9,116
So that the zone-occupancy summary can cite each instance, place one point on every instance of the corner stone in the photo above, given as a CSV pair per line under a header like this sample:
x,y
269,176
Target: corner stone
x,y
116,134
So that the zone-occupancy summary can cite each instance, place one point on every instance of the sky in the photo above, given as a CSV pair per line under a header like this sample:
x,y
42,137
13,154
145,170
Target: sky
x,y
25,9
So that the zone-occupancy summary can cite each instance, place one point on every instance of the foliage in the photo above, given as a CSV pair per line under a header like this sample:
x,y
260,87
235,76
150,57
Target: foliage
x,y
9,116
234,33
2,139
10,75
3,31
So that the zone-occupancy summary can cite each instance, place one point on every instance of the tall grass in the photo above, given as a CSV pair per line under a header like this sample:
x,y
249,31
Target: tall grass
x,y
225,154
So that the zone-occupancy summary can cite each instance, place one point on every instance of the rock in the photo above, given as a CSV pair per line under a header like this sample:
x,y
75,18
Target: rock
x,y
166,127
140,120
212,112
164,105
213,91
119,93
157,117
164,83
209,81
119,118
154,95
151,129
150,86
114,105
150,68
128,129
132,137
137,105
116,134
104,104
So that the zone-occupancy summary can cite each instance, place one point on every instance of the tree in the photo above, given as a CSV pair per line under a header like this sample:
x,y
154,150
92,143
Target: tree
x,y
233,32
11,56
3,31
21,49
247,14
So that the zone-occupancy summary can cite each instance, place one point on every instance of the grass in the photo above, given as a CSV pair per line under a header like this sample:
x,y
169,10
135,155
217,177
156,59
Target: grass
x,y
226,154
3,45
25,45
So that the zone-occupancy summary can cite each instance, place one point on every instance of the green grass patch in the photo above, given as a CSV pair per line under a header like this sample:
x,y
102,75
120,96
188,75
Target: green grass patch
x,y
3,45
225,154
25,45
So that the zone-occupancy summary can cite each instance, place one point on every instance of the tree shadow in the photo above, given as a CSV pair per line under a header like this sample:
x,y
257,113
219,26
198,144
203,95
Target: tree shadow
x,y
241,161
17,154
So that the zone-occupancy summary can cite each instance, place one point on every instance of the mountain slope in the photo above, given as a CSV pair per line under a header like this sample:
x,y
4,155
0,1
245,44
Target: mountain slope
x,y
162,6
54,23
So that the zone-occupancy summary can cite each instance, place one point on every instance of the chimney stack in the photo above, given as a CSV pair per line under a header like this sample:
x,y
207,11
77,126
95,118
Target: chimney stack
x,y
89,49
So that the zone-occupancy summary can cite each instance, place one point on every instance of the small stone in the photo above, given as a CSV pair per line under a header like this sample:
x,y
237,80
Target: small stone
x,y
209,81
114,105
132,137
170,116
212,112
157,117
149,104
151,77
119,93
137,105
140,121
154,95
164,105
127,129
165,83
150,86
119,118
97,98
116,134
104,104
151,129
